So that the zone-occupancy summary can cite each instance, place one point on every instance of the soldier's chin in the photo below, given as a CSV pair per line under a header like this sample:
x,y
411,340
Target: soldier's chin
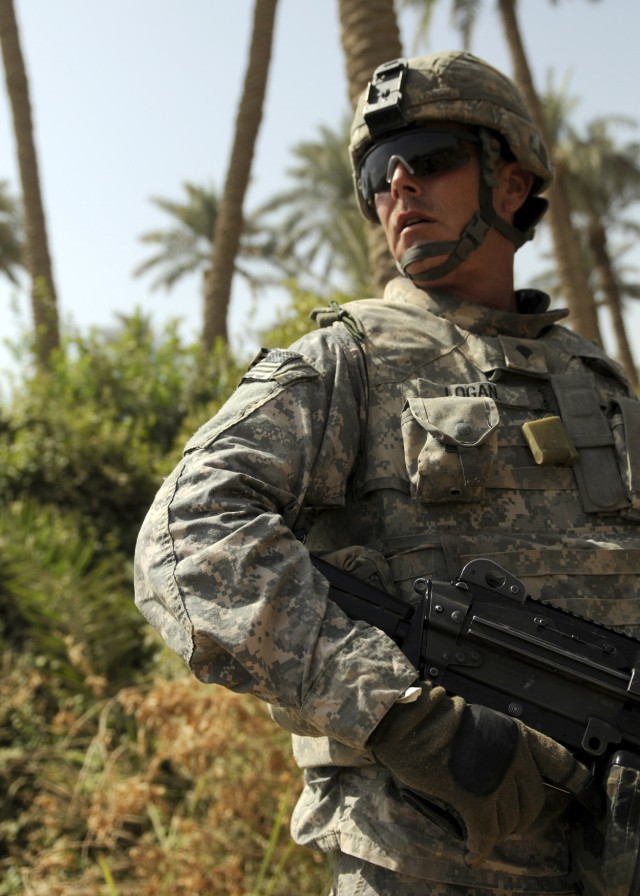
x,y
420,270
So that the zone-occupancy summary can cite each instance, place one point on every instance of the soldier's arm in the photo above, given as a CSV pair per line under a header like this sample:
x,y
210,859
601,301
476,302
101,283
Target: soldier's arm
x,y
219,571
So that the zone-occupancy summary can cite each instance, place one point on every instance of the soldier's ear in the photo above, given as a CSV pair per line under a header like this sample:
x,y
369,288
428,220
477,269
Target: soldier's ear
x,y
514,185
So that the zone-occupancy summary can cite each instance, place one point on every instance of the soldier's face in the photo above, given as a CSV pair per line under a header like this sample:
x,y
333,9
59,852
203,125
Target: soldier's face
x,y
433,207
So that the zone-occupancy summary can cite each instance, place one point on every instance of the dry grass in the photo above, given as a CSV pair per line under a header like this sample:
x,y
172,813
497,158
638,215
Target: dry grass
x,y
171,790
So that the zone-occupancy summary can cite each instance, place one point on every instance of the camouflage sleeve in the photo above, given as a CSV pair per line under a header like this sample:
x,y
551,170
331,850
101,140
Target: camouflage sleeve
x,y
219,572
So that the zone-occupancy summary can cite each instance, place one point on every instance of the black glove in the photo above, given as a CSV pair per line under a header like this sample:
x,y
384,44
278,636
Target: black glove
x,y
484,768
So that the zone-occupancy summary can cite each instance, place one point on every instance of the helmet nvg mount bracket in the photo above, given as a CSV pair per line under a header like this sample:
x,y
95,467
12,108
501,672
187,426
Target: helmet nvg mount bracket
x,y
383,110
457,87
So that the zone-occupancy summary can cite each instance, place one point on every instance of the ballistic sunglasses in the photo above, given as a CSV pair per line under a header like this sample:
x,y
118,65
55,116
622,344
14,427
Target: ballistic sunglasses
x,y
421,151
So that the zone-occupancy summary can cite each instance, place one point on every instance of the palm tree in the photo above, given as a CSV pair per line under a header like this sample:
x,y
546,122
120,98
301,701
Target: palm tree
x,y
583,314
186,247
614,290
603,180
10,234
370,36
321,235
229,224
37,259
580,299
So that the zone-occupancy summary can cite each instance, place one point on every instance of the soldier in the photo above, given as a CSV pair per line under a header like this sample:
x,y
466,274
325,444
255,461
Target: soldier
x,y
390,440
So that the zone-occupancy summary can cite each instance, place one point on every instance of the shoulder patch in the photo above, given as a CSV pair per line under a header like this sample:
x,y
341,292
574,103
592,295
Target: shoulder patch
x,y
278,364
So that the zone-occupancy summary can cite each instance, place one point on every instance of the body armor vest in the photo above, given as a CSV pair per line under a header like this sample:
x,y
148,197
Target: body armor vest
x,y
448,474
489,434
516,441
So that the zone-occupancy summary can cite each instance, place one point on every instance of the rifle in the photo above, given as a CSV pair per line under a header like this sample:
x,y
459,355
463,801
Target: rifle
x,y
481,637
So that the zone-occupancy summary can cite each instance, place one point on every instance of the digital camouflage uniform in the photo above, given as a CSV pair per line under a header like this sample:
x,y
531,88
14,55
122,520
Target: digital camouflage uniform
x,y
395,427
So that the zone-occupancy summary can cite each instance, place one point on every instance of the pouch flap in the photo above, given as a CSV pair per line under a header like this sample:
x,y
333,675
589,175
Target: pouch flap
x,y
466,422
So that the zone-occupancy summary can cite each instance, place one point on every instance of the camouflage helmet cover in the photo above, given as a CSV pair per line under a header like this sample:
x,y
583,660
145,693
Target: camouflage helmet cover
x,y
457,86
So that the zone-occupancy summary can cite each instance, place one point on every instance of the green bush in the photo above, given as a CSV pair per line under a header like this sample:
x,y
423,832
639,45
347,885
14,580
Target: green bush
x,y
67,599
98,431
113,784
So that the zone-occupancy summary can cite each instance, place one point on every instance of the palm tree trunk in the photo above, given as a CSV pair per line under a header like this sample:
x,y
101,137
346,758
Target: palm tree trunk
x,y
370,36
36,258
609,286
582,309
228,229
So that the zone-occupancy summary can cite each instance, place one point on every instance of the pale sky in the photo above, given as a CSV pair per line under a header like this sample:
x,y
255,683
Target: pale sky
x,y
132,98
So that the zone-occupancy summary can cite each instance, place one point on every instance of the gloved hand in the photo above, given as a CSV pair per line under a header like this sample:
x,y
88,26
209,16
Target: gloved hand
x,y
485,768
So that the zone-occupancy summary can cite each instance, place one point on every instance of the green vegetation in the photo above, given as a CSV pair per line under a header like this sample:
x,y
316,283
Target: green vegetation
x,y
120,773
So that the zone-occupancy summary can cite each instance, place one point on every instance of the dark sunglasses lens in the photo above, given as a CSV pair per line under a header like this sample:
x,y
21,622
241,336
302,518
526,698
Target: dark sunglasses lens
x,y
426,152
440,160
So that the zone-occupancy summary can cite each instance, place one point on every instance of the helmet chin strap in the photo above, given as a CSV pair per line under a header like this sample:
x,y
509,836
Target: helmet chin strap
x,y
471,238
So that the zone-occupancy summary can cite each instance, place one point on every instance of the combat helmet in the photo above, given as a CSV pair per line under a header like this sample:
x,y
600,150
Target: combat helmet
x,y
454,86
